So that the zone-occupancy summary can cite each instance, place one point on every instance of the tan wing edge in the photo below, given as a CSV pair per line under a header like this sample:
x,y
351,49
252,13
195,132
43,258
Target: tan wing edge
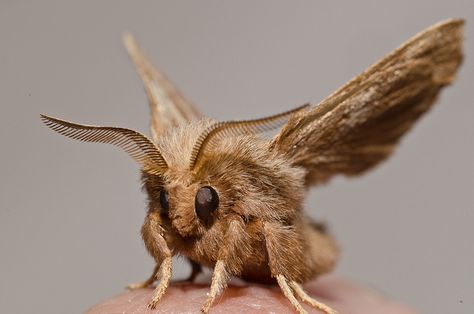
x,y
359,125
168,107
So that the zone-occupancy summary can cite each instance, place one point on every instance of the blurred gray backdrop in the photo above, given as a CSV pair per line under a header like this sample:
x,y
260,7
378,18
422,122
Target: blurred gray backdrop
x,y
71,212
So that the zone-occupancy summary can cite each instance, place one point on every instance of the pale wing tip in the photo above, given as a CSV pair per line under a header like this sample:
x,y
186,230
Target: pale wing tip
x,y
129,42
452,26
449,23
453,21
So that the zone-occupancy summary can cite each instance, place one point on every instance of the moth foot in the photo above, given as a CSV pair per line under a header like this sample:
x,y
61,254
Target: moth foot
x,y
159,292
218,284
146,283
190,279
285,288
298,290
165,271
290,289
205,308
139,285
152,304
183,281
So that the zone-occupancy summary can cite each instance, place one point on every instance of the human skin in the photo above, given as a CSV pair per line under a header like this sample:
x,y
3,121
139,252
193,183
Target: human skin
x,y
340,294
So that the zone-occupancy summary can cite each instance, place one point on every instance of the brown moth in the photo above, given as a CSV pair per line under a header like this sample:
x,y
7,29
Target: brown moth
x,y
226,198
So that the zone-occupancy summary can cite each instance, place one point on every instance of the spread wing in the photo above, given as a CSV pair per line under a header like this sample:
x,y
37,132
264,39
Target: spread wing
x,y
168,107
360,124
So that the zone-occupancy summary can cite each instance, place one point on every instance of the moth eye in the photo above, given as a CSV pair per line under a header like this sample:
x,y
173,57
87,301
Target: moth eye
x,y
164,202
206,202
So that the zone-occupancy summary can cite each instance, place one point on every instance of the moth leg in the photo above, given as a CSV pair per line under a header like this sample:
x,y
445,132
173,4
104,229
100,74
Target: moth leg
x,y
146,283
285,288
287,257
218,284
322,248
309,300
196,269
153,236
236,244
282,242
165,273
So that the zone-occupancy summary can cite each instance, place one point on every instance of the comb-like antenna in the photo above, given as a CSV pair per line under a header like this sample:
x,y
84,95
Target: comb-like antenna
x,y
235,128
135,144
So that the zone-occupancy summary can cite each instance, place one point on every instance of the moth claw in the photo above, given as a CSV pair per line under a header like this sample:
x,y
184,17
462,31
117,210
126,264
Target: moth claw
x,y
152,305
205,308
138,285
144,284
298,290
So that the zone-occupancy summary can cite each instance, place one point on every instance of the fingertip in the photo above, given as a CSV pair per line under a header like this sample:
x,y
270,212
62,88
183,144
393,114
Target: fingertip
x,y
188,298
342,295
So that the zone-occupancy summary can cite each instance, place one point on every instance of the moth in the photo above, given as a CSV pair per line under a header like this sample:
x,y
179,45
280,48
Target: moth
x,y
225,197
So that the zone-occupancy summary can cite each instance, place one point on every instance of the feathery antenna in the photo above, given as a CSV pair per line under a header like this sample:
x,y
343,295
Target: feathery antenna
x,y
235,128
135,144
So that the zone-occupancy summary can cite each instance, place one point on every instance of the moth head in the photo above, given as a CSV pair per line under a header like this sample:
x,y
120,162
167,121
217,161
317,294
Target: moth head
x,y
221,169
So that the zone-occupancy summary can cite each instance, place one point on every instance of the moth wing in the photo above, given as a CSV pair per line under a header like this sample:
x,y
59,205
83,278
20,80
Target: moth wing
x,y
168,107
359,125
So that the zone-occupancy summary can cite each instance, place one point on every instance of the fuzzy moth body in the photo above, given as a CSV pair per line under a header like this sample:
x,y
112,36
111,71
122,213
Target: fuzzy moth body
x,y
227,198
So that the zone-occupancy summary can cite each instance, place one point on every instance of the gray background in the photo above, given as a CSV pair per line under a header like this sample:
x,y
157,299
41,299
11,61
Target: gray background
x,y
70,212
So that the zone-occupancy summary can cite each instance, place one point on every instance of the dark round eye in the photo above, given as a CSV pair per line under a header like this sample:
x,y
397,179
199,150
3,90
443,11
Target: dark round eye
x,y
206,202
164,202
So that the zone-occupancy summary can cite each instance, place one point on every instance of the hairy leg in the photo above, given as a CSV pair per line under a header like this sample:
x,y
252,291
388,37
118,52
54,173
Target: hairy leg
x,y
146,283
309,300
218,284
236,241
165,278
196,269
283,283
279,239
152,233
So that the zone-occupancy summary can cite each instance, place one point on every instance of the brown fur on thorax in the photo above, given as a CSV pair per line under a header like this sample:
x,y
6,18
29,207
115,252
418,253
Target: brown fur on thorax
x,y
256,185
